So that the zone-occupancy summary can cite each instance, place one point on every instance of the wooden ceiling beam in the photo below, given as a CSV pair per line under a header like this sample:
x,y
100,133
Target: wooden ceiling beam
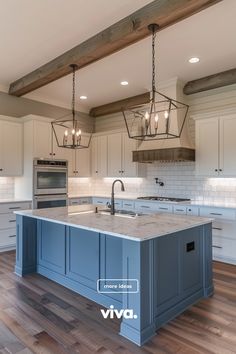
x,y
117,106
211,82
123,33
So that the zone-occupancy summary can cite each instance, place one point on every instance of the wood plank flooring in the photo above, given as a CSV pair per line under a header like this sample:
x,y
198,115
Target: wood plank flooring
x,y
40,316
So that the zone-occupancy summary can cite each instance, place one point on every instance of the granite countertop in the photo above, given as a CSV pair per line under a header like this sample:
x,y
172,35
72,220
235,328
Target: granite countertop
x,y
140,228
14,200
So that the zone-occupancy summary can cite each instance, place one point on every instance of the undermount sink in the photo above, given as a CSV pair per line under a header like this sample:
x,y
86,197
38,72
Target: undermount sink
x,y
121,213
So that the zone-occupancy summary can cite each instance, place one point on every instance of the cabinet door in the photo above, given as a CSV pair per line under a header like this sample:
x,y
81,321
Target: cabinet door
x,y
227,164
99,156
128,166
114,146
42,139
207,147
82,163
11,152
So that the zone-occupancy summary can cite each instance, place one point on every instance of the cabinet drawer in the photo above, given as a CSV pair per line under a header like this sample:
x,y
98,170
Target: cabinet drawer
x,y
128,205
224,229
80,201
223,247
7,237
7,221
145,207
101,201
165,208
217,213
11,207
180,209
193,210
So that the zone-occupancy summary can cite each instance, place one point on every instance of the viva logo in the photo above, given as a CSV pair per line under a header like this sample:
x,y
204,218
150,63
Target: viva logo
x,y
112,313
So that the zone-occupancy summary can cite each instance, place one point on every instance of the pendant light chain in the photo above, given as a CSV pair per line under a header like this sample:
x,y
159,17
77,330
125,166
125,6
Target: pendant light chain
x,y
153,62
73,92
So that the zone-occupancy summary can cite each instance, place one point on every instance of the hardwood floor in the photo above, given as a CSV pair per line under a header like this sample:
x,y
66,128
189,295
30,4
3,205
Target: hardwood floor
x,y
39,316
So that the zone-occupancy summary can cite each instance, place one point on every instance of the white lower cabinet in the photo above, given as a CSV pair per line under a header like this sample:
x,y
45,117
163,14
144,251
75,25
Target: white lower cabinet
x,y
8,224
223,233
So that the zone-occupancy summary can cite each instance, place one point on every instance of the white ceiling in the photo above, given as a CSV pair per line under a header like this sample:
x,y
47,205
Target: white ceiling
x,y
34,32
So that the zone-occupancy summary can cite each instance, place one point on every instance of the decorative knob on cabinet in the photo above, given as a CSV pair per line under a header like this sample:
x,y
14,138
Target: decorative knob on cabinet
x,y
1,169
220,169
216,170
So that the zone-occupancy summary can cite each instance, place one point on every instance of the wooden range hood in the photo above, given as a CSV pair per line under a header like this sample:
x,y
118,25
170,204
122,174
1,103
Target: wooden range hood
x,y
164,155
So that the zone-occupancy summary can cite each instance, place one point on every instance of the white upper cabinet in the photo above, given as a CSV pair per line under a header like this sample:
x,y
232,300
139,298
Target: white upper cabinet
x,y
42,142
80,165
227,126
99,156
114,155
11,148
120,164
216,146
207,147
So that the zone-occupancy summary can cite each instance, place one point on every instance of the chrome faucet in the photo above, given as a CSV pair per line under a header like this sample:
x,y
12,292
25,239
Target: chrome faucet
x,y
113,194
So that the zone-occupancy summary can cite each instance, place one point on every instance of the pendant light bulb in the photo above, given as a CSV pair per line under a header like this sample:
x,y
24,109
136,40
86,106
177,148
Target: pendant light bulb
x,y
73,132
146,115
66,133
166,114
78,133
156,118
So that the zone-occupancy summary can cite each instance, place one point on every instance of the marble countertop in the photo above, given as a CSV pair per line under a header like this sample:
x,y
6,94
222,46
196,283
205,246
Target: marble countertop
x,y
14,200
140,228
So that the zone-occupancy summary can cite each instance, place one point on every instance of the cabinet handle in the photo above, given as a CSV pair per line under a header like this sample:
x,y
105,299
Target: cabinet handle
x,y
189,209
12,220
162,208
216,214
145,206
214,246
14,208
12,236
175,209
217,228
99,202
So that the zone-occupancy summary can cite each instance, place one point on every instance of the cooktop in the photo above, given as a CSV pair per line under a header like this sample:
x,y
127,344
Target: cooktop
x,y
165,199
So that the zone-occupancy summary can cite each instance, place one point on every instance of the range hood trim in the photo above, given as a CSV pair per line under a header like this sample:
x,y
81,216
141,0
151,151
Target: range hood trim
x,y
165,155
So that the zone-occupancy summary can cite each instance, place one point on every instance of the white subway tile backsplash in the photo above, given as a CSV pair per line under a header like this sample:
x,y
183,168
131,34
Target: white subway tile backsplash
x,y
179,178
6,187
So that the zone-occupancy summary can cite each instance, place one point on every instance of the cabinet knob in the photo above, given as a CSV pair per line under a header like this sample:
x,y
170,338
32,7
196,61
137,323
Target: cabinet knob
x,y
96,171
54,154
216,170
1,169
220,169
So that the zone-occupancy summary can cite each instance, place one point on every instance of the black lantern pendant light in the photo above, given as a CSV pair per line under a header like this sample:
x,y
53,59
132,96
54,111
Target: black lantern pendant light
x,y
69,130
162,117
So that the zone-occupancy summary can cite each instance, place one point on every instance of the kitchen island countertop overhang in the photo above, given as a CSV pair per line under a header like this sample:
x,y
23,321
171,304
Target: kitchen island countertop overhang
x,y
75,247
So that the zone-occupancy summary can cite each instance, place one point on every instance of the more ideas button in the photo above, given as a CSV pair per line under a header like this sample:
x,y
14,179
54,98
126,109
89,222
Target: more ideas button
x,y
117,286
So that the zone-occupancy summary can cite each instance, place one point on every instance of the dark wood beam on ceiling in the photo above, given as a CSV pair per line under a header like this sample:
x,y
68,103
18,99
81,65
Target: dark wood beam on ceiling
x,y
117,106
224,78
123,33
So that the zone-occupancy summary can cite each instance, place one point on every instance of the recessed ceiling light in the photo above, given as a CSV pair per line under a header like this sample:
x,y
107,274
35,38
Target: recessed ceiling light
x,y
124,83
194,60
83,97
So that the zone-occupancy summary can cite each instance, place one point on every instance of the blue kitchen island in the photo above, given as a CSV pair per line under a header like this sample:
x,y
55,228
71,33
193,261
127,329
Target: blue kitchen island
x,y
168,257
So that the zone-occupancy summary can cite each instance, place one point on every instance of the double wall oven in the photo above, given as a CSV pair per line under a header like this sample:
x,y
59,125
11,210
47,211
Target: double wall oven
x,y
50,183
